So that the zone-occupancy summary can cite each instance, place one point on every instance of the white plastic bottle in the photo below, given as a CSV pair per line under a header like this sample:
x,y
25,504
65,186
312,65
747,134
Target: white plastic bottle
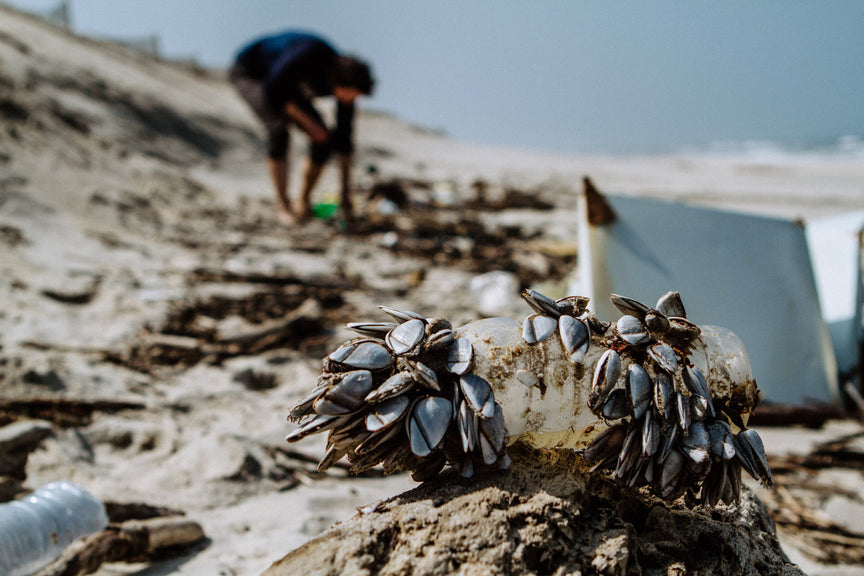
x,y
36,529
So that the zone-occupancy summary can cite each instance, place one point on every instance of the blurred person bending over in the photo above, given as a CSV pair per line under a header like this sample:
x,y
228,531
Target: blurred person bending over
x,y
278,76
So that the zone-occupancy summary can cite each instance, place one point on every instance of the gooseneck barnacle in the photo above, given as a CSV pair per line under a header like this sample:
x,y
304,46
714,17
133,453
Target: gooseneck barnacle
x,y
403,395
415,394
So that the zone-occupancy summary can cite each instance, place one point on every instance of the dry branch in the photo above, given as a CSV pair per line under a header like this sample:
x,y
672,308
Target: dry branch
x,y
814,533
128,542
65,412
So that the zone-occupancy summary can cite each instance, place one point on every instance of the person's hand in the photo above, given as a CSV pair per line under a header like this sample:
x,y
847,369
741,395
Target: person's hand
x,y
318,133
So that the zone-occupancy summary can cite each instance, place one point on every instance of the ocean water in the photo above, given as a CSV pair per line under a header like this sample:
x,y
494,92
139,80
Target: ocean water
x,y
847,148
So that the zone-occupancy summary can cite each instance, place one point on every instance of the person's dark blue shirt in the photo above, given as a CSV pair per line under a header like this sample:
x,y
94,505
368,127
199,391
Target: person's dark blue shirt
x,y
293,66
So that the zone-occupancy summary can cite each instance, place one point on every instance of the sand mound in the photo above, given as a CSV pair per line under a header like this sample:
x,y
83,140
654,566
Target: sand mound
x,y
546,515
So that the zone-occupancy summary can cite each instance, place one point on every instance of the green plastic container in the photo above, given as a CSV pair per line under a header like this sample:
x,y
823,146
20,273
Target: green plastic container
x,y
325,210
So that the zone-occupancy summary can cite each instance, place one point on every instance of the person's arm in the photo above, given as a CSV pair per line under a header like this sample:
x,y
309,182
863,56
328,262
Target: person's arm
x,y
343,135
307,123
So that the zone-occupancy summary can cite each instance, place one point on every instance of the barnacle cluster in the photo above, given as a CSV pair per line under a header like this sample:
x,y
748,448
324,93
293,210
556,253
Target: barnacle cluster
x,y
670,433
404,395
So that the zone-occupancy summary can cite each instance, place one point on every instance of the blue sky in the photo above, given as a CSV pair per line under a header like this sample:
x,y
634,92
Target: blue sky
x,y
570,76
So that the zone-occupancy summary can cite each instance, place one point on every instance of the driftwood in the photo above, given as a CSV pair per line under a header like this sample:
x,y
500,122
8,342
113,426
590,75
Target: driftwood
x,y
249,338
64,412
156,349
131,541
812,415
835,453
201,275
799,489
123,511
818,536
261,336
17,441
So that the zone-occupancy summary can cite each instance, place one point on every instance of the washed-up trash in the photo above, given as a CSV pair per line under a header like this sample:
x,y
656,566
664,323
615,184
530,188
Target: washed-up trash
x,y
389,239
664,394
393,192
17,441
753,273
386,207
835,249
325,210
821,515
496,293
36,529
444,194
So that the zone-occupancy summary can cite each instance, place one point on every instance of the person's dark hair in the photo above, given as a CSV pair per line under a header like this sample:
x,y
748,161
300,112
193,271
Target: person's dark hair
x,y
353,72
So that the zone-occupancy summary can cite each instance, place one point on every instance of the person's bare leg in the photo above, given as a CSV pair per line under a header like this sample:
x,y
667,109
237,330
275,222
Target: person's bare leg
x,y
310,178
345,187
278,169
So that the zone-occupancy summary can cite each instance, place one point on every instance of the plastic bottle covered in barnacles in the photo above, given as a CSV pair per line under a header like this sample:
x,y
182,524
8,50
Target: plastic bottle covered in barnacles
x,y
654,399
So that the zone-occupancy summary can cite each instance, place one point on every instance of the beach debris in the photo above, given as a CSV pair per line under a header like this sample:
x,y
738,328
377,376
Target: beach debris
x,y
222,327
496,293
835,247
119,512
68,532
75,290
392,191
64,412
598,211
670,436
813,416
670,449
130,541
256,380
822,518
462,235
35,530
626,248
414,400
17,441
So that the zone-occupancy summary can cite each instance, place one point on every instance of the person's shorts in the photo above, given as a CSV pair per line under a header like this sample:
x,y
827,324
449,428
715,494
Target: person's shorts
x,y
275,122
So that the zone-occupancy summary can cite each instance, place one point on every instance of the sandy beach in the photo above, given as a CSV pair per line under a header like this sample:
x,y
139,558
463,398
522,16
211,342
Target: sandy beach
x,y
156,313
